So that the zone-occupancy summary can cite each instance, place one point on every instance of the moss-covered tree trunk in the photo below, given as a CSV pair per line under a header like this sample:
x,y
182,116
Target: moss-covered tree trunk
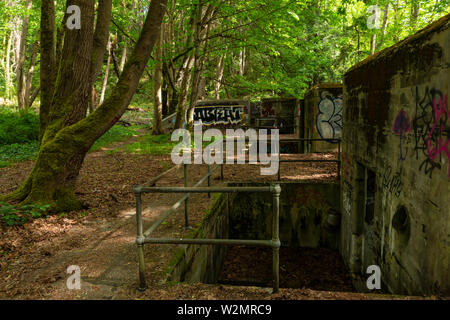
x,y
66,134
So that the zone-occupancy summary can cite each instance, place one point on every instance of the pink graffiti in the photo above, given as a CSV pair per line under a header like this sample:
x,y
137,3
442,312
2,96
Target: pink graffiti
x,y
442,147
267,111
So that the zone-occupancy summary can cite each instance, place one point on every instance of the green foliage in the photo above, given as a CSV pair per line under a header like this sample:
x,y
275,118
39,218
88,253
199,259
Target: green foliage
x,y
19,134
149,144
18,126
116,134
12,215
17,152
157,145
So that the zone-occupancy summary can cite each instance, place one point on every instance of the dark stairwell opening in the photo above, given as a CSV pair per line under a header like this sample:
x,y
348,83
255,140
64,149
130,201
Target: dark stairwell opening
x,y
309,234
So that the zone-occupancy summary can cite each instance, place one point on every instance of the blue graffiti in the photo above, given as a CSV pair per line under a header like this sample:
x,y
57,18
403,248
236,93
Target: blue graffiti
x,y
329,117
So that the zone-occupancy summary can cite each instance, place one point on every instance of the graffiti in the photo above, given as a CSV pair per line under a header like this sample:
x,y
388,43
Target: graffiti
x,y
267,110
329,117
431,130
392,181
401,127
435,141
219,114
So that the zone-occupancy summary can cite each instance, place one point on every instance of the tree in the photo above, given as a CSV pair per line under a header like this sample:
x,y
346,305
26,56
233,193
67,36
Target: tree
x,y
66,134
22,80
157,90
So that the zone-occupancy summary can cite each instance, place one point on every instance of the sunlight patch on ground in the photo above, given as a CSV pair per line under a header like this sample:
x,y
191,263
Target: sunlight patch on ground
x,y
306,177
127,213
147,213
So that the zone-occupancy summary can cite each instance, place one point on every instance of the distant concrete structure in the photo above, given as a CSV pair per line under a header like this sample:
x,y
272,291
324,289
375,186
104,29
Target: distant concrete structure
x,y
279,110
222,113
395,188
322,116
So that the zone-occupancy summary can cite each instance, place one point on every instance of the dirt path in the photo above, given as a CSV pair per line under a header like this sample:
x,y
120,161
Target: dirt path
x,y
100,240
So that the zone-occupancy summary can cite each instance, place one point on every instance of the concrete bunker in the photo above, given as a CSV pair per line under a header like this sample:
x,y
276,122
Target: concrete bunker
x,y
395,164
309,233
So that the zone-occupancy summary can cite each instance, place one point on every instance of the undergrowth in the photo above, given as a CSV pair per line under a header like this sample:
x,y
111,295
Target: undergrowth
x,y
12,215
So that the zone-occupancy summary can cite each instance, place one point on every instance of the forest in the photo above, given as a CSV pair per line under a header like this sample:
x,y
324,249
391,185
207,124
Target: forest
x,y
203,50
85,87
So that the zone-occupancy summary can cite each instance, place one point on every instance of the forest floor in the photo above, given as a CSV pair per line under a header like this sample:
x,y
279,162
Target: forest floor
x,y
101,239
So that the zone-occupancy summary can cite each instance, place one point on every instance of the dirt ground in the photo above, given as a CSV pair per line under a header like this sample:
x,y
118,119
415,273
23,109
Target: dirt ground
x,y
100,240
312,268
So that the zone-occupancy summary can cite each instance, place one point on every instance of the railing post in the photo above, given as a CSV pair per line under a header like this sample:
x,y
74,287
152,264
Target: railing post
x,y
186,202
279,170
221,172
139,241
275,237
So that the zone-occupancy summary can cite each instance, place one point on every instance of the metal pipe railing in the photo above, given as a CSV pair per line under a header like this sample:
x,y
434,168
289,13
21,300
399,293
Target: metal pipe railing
x,y
186,201
142,238
265,243
294,140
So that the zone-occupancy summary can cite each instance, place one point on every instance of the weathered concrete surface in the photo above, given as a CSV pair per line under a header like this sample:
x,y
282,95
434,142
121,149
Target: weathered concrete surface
x,y
304,215
396,149
282,108
308,218
323,115
202,263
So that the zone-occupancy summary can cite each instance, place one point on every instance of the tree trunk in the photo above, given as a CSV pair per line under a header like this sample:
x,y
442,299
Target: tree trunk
x,y
20,71
29,78
8,67
94,100
69,134
105,79
48,63
123,59
183,93
34,95
385,19
415,7
373,43
200,35
219,76
242,62
113,56
396,8
157,87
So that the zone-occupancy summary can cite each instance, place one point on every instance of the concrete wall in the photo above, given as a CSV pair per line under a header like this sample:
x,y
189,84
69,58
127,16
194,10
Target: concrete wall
x,y
396,149
195,263
323,115
309,217
304,215
282,108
